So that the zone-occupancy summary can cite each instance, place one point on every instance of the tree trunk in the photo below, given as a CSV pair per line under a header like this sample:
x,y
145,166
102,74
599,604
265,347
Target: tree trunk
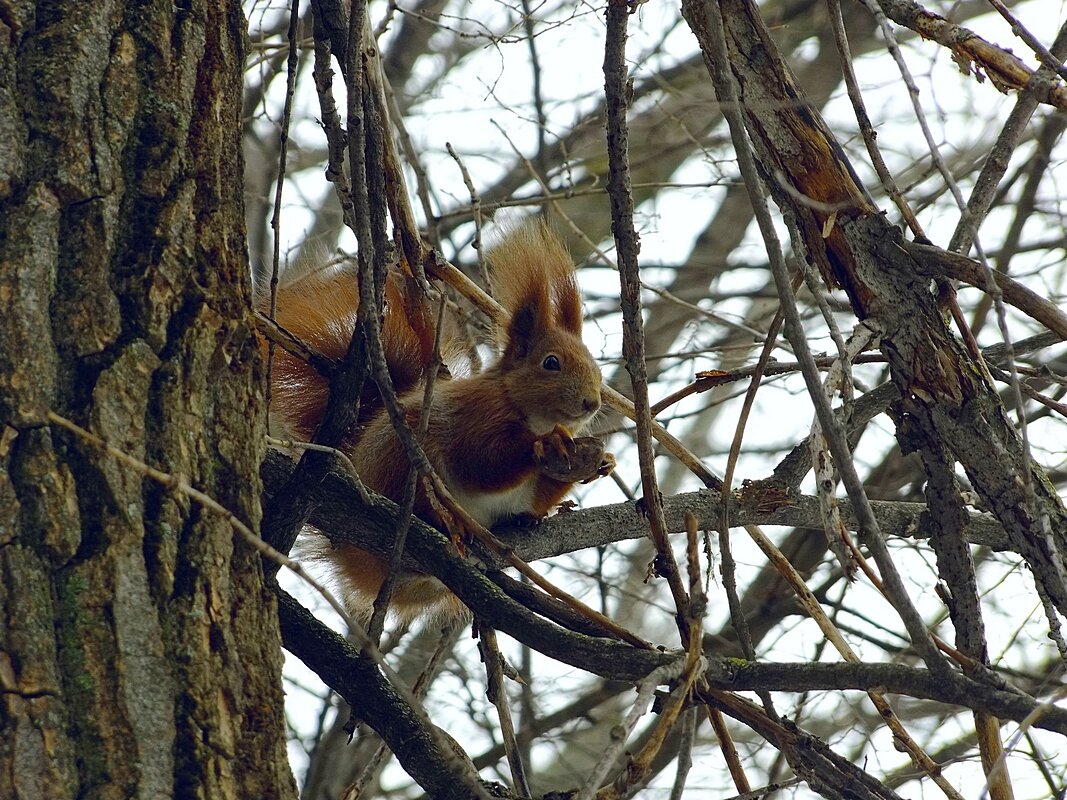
x,y
139,652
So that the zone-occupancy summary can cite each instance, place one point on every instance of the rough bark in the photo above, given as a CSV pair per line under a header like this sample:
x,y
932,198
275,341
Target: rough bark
x,y
139,647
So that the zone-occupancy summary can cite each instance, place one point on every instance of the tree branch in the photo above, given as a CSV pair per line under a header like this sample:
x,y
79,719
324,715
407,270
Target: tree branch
x,y
358,680
343,517
972,53
337,510
949,687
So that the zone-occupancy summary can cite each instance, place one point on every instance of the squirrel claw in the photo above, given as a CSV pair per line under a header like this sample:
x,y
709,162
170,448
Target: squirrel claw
x,y
459,536
525,520
555,446
455,527
584,461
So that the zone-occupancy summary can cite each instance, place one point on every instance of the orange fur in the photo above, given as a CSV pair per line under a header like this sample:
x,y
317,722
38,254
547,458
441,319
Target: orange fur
x,y
320,309
482,429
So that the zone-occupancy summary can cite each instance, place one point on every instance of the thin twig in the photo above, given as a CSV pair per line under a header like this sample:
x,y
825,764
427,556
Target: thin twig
x,y
528,24
283,151
697,608
866,128
839,377
646,691
685,753
1046,58
742,417
497,694
407,504
710,379
1024,726
297,446
549,196
276,334
633,345
476,213
1004,69
996,164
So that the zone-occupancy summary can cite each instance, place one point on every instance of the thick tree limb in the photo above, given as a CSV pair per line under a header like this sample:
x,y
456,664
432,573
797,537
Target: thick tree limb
x,y
952,688
372,526
338,508
936,262
358,680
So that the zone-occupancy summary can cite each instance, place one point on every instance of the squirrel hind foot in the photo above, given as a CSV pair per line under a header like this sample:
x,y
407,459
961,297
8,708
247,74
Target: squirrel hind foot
x,y
524,520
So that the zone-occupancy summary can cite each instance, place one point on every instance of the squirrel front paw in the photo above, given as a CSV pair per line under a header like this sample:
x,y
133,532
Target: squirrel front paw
x,y
553,451
585,460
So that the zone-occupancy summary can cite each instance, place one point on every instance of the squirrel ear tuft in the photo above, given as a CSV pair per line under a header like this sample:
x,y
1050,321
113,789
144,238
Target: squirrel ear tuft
x,y
568,303
528,324
533,277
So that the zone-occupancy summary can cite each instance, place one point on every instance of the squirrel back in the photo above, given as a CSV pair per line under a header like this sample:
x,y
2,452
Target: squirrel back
x,y
496,438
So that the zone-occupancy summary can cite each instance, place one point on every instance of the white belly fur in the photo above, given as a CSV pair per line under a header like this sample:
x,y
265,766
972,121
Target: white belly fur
x,y
491,508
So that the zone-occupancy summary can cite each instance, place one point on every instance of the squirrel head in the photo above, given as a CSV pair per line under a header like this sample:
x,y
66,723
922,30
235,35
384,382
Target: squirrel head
x,y
546,368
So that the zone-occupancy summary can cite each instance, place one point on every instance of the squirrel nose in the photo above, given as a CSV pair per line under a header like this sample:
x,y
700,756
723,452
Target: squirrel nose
x,y
591,404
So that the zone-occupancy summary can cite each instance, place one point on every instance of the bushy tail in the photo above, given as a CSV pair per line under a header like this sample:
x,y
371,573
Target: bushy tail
x,y
321,309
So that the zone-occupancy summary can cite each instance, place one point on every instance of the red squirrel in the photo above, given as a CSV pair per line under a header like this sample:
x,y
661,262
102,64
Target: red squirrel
x,y
491,436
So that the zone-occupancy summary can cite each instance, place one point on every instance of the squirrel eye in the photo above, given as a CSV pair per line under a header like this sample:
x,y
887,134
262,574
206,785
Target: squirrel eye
x,y
551,362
